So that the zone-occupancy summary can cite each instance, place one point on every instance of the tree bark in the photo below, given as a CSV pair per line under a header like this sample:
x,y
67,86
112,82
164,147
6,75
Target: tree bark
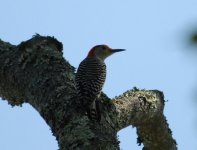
x,y
35,72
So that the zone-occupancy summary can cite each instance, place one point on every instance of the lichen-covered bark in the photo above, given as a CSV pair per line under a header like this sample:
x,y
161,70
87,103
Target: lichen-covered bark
x,y
35,72
144,110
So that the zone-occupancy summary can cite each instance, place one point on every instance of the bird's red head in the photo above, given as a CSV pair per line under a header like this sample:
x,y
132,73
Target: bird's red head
x,y
93,51
102,51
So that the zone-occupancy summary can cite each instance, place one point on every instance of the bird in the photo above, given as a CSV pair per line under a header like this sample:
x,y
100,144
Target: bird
x,y
90,78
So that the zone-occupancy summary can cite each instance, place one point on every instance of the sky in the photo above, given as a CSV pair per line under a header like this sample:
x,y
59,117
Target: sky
x,y
157,56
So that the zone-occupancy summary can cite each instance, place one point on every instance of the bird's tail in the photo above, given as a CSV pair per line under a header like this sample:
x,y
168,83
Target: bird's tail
x,y
94,112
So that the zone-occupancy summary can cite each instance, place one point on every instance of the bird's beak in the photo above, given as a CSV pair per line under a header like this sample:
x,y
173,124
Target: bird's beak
x,y
117,50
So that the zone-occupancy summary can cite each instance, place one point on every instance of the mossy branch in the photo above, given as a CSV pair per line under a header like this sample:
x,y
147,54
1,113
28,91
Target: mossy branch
x,y
35,72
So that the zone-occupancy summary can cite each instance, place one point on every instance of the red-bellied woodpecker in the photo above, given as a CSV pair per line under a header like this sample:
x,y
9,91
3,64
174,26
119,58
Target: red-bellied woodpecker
x,y
90,78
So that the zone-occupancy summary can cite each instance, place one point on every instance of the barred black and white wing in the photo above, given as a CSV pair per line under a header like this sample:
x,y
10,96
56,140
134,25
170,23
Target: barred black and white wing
x,y
90,78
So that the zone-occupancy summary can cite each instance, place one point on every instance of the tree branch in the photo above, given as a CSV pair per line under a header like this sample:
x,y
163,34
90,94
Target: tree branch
x,y
35,72
144,110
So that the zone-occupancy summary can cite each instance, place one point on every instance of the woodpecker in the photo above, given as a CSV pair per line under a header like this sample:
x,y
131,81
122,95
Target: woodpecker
x,y
90,77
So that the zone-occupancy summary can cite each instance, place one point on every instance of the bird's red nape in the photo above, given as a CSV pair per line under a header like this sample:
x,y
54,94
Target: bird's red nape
x,y
91,53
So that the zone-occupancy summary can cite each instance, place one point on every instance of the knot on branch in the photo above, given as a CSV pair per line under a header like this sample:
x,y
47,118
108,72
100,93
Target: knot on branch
x,y
38,41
